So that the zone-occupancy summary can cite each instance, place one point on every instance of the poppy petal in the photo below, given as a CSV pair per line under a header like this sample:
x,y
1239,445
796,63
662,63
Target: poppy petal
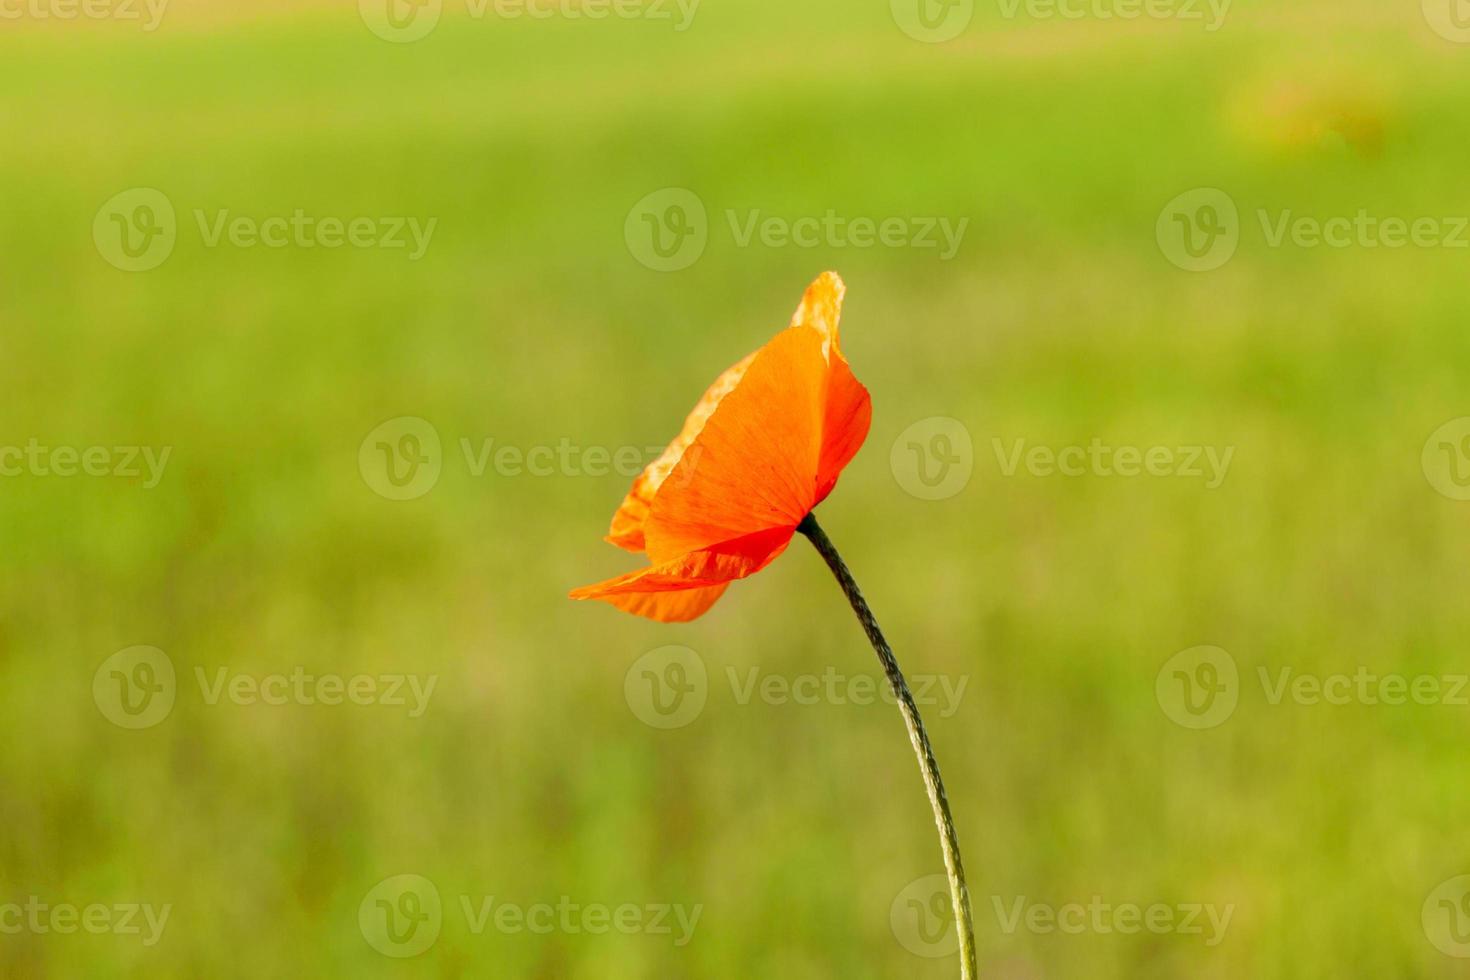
x,y
668,607
849,409
849,415
821,309
764,445
627,524
707,571
753,466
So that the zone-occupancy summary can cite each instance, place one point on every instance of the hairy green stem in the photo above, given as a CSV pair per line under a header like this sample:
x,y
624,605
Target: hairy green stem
x,y
948,839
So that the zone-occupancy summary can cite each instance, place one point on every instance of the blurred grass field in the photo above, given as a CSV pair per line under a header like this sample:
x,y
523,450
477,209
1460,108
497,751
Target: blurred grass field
x,y
530,321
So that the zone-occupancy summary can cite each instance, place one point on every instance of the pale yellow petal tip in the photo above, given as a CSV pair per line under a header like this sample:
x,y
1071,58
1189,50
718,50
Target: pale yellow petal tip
x,y
821,308
831,282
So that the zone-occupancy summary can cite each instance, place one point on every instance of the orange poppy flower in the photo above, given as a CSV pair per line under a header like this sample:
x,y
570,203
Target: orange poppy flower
x,y
763,447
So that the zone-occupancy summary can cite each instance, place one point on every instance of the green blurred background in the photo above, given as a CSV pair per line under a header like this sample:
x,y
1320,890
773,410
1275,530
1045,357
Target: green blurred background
x,y
531,320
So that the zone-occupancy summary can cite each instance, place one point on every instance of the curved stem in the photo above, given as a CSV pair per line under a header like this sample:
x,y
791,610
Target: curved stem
x,y
948,839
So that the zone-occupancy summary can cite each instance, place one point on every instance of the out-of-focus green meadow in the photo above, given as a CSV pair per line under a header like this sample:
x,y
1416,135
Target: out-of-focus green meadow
x,y
794,829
